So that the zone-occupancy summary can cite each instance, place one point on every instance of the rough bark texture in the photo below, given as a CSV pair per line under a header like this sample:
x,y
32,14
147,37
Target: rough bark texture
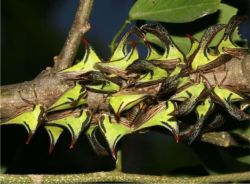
x,y
49,85
236,72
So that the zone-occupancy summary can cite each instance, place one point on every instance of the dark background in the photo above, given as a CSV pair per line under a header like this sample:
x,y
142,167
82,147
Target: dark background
x,y
32,33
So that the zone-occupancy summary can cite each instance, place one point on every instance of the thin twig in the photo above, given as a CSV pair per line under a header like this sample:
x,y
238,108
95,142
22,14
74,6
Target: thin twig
x,y
48,84
114,176
78,28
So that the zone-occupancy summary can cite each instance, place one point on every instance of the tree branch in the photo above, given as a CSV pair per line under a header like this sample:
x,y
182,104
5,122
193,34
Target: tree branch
x,y
50,85
114,176
79,27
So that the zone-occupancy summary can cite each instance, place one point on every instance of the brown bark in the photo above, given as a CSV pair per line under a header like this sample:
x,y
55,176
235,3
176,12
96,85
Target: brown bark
x,y
235,72
49,86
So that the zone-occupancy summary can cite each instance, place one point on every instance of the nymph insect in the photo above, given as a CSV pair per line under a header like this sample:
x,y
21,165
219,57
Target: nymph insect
x,y
140,93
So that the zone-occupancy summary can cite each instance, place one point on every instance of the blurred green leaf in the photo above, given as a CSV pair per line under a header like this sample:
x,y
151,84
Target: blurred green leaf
x,y
176,11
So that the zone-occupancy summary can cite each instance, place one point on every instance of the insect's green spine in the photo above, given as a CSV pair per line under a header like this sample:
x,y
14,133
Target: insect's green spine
x,y
134,86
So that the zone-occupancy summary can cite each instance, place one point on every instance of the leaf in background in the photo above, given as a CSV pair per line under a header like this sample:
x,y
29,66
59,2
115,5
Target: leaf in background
x,y
175,11
225,13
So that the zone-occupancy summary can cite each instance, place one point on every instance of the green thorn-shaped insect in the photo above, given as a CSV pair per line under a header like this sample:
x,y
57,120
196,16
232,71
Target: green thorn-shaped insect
x,y
159,115
112,131
118,67
106,87
121,58
121,51
157,75
95,144
227,44
29,119
201,59
189,95
173,81
102,83
87,63
226,97
54,133
203,110
172,55
73,97
122,101
172,59
152,53
75,123
176,80
149,73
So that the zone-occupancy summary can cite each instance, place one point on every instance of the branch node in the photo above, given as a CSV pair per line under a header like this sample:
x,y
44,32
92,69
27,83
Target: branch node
x,y
85,28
